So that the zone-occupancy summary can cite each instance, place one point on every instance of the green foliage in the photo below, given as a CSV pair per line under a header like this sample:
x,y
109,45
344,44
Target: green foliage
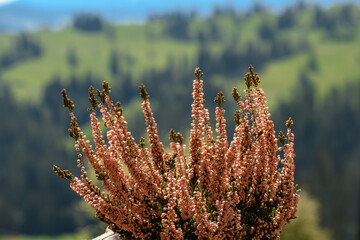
x,y
307,224
61,237
88,22
72,58
23,48
327,151
30,198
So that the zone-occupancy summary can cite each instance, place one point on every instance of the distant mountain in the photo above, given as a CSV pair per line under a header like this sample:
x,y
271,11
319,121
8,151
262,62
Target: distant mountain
x,y
16,17
25,15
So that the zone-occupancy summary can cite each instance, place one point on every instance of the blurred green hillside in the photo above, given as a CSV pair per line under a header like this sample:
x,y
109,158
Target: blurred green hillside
x,y
308,59
151,46
136,52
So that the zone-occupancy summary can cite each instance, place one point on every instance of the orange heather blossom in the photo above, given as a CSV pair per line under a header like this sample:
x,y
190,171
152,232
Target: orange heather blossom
x,y
241,190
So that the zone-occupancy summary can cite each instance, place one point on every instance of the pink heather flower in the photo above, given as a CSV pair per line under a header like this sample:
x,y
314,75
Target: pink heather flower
x,y
221,190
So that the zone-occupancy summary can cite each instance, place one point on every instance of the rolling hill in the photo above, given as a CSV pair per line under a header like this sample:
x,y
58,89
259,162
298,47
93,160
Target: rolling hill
x,y
144,47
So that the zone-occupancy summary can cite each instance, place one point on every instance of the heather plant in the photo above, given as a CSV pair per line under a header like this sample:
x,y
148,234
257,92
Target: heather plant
x,y
219,190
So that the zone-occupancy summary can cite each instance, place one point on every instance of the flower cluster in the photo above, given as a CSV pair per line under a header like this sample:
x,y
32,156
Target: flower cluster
x,y
241,190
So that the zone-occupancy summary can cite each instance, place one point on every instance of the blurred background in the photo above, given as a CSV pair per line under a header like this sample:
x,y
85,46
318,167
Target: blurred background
x,y
307,54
